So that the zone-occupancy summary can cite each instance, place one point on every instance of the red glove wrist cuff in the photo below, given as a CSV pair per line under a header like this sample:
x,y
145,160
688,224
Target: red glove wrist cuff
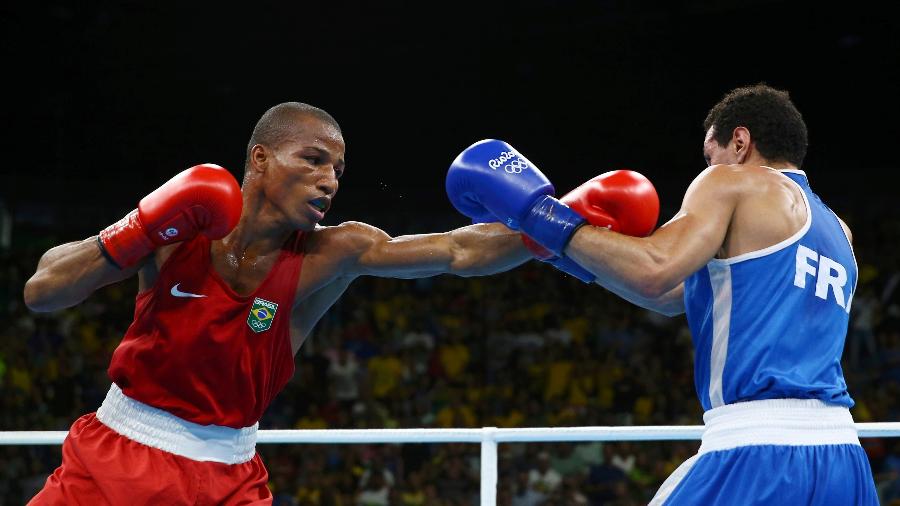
x,y
125,242
539,252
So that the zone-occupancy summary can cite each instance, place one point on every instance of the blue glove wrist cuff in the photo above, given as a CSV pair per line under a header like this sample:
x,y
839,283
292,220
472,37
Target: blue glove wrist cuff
x,y
551,223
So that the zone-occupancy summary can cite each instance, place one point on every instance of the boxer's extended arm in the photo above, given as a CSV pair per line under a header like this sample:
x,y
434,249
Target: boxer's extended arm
x,y
652,269
475,250
67,274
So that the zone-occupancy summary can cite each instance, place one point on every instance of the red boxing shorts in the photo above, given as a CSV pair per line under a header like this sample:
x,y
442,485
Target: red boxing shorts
x,y
101,466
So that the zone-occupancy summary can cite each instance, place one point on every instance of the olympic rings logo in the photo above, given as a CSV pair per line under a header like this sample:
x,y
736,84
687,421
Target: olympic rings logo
x,y
515,166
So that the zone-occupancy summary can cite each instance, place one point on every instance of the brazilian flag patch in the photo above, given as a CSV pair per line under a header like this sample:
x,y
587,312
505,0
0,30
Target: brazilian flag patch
x,y
261,315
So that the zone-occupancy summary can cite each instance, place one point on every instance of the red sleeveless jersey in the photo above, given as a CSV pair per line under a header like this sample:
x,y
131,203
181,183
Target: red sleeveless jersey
x,y
204,353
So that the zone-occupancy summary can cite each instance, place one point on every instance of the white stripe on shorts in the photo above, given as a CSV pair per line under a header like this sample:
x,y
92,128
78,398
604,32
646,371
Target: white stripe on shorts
x,y
668,486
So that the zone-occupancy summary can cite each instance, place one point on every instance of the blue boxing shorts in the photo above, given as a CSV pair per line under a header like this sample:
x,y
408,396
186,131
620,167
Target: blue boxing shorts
x,y
774,452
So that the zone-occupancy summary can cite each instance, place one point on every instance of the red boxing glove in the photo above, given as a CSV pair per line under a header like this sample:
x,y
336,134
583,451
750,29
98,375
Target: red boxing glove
x,y
621,200
205,198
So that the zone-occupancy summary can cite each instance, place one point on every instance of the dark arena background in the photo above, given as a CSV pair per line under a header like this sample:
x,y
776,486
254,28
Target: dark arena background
x,y
105,101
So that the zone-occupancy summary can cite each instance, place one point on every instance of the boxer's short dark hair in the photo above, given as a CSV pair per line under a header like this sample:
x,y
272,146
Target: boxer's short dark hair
x,y
775,124
276,124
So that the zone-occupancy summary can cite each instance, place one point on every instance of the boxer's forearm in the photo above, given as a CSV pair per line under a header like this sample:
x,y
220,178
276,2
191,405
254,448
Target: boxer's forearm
x,y
486,249
68,274
622,263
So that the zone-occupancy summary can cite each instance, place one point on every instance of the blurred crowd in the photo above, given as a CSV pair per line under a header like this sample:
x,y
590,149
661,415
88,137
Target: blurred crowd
x,y
527,348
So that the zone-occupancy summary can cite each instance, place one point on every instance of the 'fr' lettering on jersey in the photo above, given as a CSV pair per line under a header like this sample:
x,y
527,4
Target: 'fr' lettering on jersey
x,y
828,274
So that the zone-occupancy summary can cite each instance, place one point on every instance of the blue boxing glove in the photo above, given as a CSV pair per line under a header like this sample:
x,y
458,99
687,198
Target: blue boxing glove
x,y
491,178
491,181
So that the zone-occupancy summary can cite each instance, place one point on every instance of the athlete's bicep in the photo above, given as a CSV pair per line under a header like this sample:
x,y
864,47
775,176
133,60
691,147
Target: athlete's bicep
x,y
670,303
467,251
409,256
696,233
371,251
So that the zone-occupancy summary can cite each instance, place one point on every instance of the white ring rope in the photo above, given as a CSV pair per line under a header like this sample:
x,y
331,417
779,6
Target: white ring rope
x,y
488,437
515,435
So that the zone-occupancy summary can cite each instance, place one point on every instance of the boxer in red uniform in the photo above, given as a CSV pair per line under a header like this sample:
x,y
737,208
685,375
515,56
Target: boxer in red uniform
x,y
231,281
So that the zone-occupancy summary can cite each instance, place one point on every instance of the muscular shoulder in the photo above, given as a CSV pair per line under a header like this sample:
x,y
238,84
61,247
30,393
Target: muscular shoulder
x,y
717,183
738,176
768,208
739,180
347,240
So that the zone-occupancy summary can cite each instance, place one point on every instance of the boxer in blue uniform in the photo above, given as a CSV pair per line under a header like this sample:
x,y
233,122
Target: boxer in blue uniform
x,y
765,273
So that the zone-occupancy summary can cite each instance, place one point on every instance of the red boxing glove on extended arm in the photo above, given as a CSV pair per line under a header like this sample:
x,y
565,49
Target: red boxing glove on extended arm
x,y
621,200
205,198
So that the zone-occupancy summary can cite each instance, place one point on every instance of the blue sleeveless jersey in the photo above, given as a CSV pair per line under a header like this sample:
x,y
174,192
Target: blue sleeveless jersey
x,y
771,324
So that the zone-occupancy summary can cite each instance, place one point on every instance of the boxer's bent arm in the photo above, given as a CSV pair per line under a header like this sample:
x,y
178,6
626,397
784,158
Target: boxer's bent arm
x,y
67,274
650,267
475,250
670,303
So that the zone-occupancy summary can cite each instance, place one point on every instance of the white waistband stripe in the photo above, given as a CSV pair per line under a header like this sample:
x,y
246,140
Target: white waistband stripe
x,y
784,422
157,428
789,422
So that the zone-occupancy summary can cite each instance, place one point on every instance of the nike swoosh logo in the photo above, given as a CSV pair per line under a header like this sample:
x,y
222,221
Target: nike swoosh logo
x,y
178,293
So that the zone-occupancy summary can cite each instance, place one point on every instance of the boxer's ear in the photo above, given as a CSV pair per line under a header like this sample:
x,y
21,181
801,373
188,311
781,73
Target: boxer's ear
x,y
742,142
259,158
